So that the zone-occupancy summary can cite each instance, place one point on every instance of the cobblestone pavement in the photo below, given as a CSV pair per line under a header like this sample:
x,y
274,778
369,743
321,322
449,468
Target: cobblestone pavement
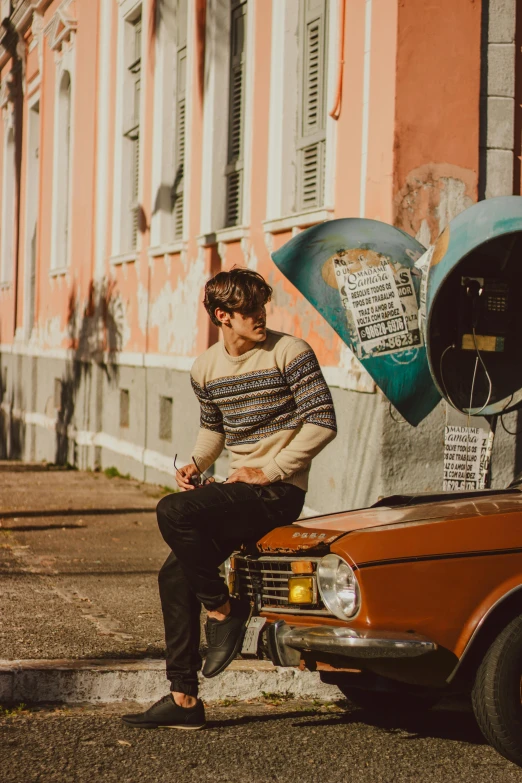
x,y
271,740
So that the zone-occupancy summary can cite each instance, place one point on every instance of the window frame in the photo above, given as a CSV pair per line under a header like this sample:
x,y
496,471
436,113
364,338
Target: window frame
x,y
61,253
7,238
234,169
283,211
172,83
128,152
307,141
131,132
33,174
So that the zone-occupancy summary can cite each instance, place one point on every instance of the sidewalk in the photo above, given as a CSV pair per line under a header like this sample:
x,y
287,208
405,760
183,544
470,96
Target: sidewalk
x,y
80,619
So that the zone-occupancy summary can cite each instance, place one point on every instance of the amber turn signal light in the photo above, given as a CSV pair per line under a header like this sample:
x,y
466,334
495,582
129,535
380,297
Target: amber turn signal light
x,y
301,590
302,567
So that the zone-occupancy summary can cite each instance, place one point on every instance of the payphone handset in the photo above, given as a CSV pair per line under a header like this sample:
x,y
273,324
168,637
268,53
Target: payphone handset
x,y
483,314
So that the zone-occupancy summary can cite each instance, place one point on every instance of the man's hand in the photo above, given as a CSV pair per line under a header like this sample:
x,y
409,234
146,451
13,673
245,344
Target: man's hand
x,y
248,476
183,476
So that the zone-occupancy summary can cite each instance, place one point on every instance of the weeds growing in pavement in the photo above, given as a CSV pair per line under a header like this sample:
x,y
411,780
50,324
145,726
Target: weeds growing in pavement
x,y
113,472
10,712
276,698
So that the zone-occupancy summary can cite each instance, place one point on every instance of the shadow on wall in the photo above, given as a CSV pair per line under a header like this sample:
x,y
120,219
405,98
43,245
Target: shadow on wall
x,y
95,332
163,21
12,427
163,14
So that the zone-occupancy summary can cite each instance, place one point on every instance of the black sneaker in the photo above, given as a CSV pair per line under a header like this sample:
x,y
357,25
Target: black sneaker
x,y
224,638
169,715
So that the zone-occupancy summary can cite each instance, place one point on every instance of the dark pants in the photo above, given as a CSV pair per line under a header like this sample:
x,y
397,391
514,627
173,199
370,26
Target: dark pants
x,y
203,527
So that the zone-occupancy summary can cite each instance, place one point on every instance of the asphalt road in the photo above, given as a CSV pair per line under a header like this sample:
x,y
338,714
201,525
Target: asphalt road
x,y
249,743
79,561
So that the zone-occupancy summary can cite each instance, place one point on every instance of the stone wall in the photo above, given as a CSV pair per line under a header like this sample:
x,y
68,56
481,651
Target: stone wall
x,y
497,100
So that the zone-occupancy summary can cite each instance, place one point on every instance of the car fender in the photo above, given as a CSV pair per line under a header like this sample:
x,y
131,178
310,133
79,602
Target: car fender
x,y
503,597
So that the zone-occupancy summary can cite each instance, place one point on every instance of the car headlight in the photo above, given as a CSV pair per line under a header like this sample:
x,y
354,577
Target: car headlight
x,y
338,586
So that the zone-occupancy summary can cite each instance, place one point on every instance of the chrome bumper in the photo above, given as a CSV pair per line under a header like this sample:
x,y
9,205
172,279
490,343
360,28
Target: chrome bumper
x,y
286,643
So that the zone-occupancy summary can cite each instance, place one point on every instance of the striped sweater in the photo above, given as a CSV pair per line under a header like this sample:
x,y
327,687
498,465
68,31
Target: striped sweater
x,y
270,407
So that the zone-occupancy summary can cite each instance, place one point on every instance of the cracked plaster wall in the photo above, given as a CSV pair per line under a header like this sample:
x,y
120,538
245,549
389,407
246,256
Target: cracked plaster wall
x,y
444,138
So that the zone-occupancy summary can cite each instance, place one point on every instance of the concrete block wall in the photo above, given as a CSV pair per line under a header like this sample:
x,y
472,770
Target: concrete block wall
x,y
174,385
78,421
498,98
348,473
412,457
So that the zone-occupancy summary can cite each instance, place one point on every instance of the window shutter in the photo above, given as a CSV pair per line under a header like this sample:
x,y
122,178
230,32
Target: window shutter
x,y
135,192
67,172
180,165
311,141
132,135
312,77
234,170
180,119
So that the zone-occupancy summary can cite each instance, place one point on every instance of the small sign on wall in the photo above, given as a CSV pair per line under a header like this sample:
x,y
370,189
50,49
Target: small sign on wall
x,y
468,442
380,301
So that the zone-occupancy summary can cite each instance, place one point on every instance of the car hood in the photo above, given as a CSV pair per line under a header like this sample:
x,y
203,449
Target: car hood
x,y
398,510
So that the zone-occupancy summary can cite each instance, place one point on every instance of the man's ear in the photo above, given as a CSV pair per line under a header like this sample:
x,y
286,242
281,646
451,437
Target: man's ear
x,y
222,316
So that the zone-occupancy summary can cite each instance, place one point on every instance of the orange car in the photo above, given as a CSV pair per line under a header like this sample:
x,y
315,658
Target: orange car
x,y
399,604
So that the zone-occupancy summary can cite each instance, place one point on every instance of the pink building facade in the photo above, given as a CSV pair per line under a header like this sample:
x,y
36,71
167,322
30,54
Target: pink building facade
x,y
147,144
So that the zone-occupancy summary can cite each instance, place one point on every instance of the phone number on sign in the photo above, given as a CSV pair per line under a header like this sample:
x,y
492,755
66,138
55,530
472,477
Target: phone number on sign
x,y
382,329
398,342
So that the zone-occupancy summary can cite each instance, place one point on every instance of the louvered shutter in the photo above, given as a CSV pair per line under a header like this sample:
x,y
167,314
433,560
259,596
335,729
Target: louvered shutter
x,y
132,135
67,171
135,192
311,138
234,170
180,165
181,84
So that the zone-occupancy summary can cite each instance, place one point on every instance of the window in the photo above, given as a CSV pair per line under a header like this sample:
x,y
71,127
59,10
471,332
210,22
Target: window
x,y
8,211
31,212
227,121
177,200
236,102
62,168
127,212
124,408
58,392
165,418
131,133
63,172
170,112
62,41
302,139
311,135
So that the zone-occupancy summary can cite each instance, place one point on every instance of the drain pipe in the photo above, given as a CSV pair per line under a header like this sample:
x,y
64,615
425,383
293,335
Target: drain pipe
x,y
335,113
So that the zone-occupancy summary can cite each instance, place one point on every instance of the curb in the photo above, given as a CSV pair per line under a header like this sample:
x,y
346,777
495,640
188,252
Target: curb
x,y
104,681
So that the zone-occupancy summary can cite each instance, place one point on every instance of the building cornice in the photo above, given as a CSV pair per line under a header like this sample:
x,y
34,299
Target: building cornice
x,y
22,14
63,23
20,20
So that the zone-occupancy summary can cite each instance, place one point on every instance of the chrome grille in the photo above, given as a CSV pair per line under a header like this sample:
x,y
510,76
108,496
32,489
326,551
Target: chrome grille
x,y
267,577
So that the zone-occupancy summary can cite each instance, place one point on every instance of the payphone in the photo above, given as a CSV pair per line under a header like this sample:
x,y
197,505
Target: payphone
x,y
446,321
425,324
474,316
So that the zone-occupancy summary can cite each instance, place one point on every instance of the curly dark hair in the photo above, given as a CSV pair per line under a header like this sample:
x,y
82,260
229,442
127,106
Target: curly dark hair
x,y
238,291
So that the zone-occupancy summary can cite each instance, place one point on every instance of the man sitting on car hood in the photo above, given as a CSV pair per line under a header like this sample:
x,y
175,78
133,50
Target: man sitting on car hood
x,y
262,395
